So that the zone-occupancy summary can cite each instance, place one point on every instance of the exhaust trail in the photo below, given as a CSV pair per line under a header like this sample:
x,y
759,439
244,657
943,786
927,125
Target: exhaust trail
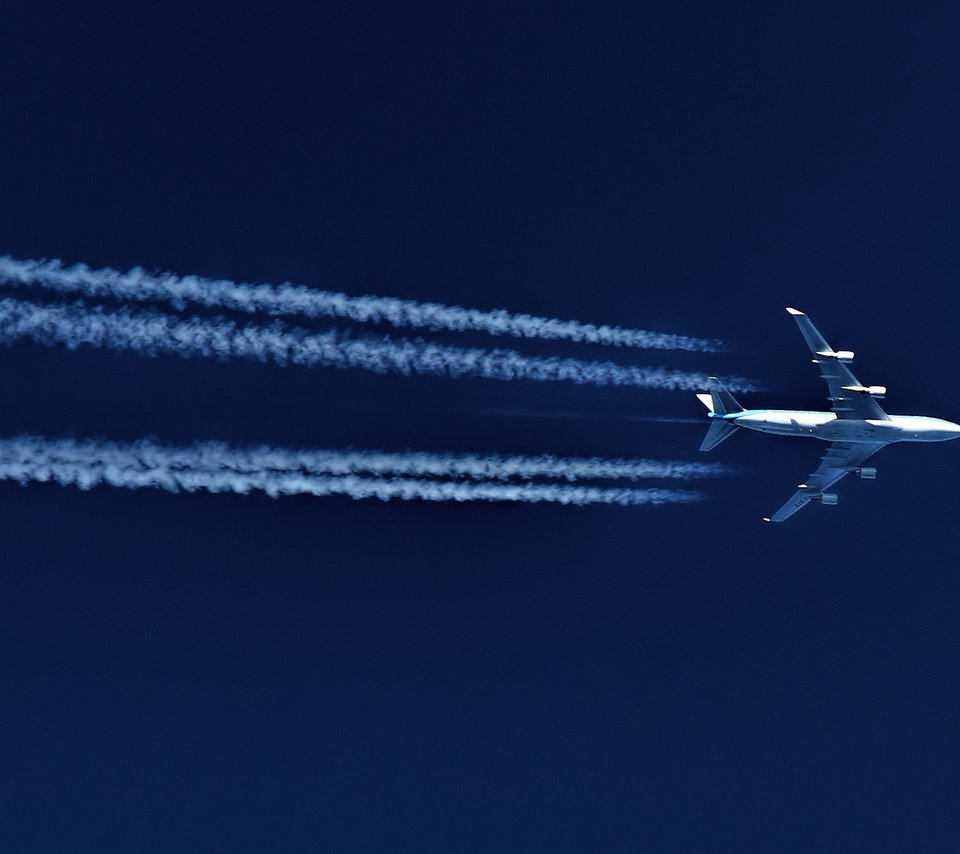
x,y
152,333
286,300
589,416
121,467
217,456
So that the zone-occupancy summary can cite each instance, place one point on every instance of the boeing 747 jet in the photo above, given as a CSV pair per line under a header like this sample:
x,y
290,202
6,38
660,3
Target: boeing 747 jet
x,y
856,428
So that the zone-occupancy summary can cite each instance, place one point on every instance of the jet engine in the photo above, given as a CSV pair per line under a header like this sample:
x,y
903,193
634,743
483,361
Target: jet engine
x,y
867,473
839,355
878,391
828,498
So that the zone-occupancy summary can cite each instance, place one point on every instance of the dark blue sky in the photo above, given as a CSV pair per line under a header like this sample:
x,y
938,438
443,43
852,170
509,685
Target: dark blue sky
x,y
220,673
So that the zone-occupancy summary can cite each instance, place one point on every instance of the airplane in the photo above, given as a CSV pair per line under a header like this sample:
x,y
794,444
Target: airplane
x,y
856,428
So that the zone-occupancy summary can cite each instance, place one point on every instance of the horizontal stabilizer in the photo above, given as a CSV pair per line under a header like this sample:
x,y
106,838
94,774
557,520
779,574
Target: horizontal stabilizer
x,y
716,433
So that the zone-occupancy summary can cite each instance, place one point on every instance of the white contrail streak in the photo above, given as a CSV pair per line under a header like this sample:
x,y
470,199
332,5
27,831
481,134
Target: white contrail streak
x,y
288,300
217,456
120,466
591,416
151,333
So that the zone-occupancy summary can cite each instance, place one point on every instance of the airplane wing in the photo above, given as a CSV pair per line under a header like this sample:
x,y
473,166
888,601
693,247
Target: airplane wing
x,y
840,459
848,397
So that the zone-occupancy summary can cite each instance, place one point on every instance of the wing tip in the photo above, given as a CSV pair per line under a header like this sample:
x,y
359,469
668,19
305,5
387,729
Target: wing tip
x,y
794,311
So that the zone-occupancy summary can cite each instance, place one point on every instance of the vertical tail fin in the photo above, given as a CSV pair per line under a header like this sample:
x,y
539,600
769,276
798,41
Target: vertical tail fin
x,y
720,402
724,403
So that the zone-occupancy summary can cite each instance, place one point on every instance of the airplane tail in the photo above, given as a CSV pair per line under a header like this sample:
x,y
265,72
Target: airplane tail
x,y
720,402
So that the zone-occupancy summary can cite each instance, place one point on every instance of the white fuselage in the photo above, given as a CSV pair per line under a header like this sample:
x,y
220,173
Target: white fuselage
x,y
826,426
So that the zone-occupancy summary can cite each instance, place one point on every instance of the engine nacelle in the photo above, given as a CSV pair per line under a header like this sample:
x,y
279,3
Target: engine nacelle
x,y
867,473
878,391
839,355
829,498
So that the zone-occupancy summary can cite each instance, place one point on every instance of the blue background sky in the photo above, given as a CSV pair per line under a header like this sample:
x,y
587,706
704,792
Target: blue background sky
x,y
212,673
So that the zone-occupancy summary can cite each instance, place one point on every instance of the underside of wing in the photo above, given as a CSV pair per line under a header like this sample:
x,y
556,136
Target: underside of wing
x,y
840,459
849,398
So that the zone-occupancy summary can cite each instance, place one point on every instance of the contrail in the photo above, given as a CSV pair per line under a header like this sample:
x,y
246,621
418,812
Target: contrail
x,y
288,300
151,333
122,467
589,416
217,456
